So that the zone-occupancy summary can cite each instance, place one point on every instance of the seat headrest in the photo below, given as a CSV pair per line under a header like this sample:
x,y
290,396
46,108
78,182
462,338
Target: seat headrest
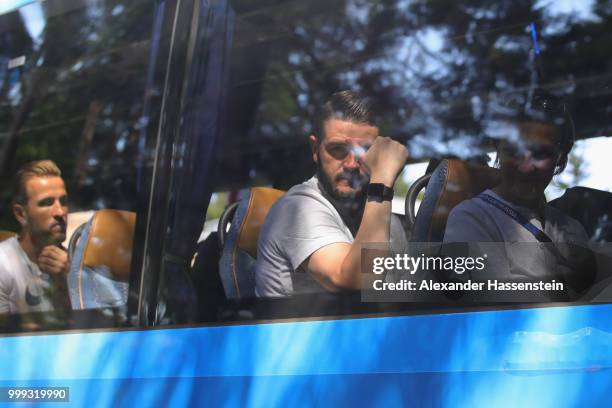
x,y
260,201
451,182
110,242
4,235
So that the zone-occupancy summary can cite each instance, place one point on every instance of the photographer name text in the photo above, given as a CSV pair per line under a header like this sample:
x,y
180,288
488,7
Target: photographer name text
x,y
469,285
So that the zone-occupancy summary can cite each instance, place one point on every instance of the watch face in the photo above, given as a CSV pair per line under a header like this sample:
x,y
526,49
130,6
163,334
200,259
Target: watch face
x,y
376,189
380,192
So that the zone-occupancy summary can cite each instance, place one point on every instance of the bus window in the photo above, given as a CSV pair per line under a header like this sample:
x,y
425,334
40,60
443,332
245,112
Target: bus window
x,y
435,79
182,123
78,100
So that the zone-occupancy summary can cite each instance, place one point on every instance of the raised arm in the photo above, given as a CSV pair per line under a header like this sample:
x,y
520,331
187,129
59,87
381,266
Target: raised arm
x,y
338,266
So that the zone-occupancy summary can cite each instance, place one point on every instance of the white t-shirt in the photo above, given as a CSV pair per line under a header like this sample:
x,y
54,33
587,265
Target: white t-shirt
x,y
298,224
23,287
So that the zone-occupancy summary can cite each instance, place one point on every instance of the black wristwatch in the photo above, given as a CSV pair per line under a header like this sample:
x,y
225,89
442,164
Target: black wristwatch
x,y
379,192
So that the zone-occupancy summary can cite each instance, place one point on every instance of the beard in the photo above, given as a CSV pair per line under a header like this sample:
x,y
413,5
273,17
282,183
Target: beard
x,y
356,180
54,236
349,205
525,189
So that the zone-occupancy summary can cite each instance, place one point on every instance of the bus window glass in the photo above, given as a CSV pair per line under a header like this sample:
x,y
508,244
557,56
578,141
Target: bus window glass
x,y
76,105
438,79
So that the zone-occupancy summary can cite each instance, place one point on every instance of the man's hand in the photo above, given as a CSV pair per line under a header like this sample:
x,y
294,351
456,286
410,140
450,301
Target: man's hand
x,y
385,160
54,261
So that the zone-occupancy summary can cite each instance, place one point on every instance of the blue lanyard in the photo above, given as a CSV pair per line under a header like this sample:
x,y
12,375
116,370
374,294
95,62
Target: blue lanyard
x,y
516,216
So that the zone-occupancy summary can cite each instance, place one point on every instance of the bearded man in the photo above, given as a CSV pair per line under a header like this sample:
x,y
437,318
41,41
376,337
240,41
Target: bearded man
x,y
34,265
312,236
542,243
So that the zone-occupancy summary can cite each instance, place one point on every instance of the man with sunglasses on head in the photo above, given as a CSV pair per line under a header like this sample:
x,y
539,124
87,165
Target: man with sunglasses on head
x,y
312,236
34,265
535,135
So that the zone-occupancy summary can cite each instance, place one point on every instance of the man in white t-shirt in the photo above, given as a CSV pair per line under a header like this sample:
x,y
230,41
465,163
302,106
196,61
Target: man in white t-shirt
x,y
312,236
33,265
541,242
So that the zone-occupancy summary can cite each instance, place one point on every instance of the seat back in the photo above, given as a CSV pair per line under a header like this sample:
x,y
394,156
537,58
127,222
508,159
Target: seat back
x,y
110,242
452,181
237,264
102,257
591,207
4,235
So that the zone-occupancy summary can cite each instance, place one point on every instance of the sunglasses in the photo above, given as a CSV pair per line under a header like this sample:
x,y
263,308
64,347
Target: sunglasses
x,y
538,153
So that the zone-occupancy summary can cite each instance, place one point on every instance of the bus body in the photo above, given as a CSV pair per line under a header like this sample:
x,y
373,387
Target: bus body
x,y
535,357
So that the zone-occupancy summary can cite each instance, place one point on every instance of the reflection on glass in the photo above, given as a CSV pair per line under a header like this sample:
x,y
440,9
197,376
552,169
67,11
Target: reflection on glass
x,y
73,83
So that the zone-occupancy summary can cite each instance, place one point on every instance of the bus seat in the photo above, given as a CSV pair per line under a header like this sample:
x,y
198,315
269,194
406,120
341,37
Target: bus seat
x,y
110,242
101,260
239,250
205,278
591,207
451,182
4,235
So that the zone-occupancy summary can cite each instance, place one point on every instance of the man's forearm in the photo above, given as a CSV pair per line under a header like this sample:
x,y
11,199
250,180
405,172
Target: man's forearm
x,y
374,228
61,296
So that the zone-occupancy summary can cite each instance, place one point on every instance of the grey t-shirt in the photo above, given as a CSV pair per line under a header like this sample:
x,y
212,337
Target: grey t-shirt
x,y
298,224
475,220
23,287
512,251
